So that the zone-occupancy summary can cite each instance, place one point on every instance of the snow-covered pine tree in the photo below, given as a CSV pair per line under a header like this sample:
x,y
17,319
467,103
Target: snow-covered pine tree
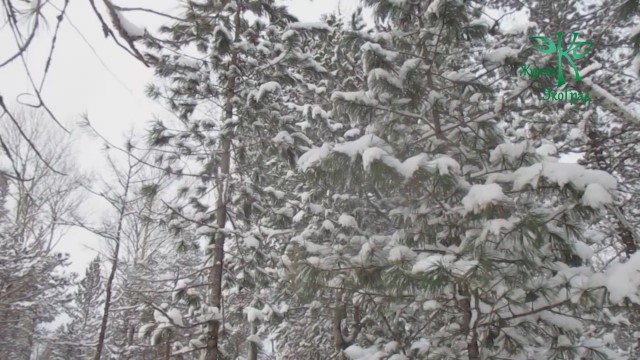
x,y
443,240
302,333
602,132
229,86
76,340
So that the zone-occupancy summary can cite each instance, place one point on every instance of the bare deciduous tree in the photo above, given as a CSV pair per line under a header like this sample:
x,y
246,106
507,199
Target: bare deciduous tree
x,y
33,283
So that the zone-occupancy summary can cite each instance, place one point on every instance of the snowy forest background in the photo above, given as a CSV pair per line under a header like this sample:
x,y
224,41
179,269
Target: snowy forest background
x,y
381,184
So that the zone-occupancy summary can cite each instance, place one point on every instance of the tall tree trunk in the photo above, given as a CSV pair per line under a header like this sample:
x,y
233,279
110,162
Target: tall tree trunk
x,y
215,274
167,348
341,338
253,347
339,314
468,328
437,127
114,268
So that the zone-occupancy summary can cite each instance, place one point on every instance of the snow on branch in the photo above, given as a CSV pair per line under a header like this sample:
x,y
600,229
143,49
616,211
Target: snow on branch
x,y
611,100
309,26
130,28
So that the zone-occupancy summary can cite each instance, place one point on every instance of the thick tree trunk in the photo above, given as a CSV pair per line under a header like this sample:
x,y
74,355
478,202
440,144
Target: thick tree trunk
x,y
253,347
339,314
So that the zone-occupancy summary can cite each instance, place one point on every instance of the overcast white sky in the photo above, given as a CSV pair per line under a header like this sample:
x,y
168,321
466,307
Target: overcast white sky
x,y
104,82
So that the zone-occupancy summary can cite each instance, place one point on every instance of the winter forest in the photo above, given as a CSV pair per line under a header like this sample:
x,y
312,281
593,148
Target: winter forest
x,y
395,180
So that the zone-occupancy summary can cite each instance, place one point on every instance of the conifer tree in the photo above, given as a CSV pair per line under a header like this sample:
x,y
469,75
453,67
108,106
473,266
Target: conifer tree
x,y
240,135
599,132
76,339
600,128
443,239
159,280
